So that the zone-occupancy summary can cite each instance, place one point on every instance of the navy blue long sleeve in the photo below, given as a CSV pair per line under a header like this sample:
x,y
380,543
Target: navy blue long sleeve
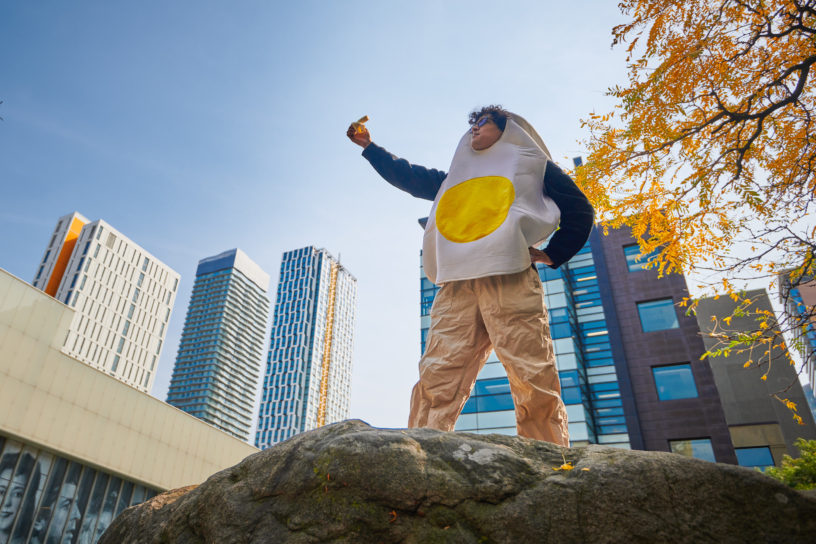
x,y
417,180
577,214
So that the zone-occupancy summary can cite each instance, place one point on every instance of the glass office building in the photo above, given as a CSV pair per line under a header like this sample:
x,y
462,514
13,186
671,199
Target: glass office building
x,y
307,382
221,349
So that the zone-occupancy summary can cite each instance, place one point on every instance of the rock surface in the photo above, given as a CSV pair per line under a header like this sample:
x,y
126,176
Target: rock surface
x,y
349,482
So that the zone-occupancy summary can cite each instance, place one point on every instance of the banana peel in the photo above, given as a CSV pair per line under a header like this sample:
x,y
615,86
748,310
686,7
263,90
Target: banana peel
x,y
359,124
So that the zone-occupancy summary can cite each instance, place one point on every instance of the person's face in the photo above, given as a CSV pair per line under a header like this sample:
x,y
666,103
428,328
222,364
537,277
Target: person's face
x,y
484,133
66,509
13,490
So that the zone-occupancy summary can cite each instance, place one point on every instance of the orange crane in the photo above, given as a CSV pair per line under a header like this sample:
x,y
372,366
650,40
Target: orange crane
x,y
327,345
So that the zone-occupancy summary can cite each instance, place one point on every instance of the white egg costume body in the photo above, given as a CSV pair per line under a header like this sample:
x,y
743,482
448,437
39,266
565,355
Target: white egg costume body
x,y
490,208
488,211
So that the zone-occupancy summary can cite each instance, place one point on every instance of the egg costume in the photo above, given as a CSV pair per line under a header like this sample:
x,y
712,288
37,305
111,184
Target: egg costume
x,y
488,210
491,205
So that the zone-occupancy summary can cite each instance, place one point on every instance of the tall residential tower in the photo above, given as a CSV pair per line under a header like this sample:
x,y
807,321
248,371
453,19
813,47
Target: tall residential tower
x,y
221,349
123,297
307,382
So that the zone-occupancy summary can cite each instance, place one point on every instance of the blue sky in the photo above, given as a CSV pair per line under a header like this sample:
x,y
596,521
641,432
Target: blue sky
x,y
197,127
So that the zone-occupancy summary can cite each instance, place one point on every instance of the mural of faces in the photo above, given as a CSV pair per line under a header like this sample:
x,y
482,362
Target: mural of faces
x,y
46,499
19,480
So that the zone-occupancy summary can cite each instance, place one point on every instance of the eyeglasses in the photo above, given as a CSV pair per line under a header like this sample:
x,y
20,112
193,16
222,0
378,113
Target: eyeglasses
x,y
480,123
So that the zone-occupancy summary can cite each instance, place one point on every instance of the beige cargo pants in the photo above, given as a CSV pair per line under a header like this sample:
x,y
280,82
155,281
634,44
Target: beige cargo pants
x,y
468,319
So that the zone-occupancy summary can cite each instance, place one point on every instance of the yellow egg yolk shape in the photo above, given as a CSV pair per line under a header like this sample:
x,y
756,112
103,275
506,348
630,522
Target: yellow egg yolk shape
x,y
474,208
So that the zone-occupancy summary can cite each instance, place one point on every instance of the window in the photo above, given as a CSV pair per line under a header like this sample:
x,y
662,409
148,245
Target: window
x,y
657,315
635,260
759,457
699,448
674,382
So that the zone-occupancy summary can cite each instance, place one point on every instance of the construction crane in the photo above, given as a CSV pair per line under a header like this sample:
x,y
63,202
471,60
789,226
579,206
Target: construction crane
x,y
327,345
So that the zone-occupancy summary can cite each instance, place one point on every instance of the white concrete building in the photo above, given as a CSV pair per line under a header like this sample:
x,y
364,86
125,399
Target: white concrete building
x,y
123,297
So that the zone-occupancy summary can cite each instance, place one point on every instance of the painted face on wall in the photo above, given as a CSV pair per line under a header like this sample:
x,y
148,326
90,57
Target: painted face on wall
x,y
13,491
66,510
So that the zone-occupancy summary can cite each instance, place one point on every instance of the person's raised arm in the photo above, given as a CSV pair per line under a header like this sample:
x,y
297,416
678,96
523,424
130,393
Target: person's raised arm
x,y
414,179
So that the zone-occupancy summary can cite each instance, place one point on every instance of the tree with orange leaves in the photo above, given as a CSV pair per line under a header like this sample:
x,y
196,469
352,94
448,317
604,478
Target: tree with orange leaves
x,y
709,154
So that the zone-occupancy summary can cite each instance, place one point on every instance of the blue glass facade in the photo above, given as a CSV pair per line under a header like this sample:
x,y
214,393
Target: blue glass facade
x,y
310,347
584,356
221,349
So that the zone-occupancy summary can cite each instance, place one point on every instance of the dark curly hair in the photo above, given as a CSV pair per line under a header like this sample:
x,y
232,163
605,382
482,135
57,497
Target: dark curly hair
x,y
496,113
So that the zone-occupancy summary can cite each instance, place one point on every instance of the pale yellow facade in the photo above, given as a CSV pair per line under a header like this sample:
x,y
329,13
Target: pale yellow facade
x,y
61,404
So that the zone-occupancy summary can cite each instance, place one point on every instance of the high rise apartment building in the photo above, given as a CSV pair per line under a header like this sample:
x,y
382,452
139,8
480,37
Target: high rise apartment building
x,y
123,297
307,382
221,349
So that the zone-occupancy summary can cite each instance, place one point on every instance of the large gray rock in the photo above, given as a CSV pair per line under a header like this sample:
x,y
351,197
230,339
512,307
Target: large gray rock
x,y
349,482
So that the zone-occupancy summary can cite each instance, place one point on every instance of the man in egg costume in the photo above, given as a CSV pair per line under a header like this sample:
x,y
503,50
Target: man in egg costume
x,y
501,197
